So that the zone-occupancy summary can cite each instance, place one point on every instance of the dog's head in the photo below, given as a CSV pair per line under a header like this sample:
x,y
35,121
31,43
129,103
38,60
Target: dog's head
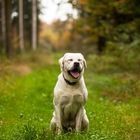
x,y
72,65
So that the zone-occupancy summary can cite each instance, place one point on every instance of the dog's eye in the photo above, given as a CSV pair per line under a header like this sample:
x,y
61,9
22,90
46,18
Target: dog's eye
x,y
70,59
79,59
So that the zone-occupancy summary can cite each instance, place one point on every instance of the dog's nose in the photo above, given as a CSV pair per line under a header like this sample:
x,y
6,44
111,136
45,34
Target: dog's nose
x,y
76,64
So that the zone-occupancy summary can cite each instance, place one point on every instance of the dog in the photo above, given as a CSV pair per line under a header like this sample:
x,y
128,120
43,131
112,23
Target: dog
x,y
70,95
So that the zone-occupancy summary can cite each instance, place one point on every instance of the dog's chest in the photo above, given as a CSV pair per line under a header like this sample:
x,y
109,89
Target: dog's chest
x,y
72,98
70,103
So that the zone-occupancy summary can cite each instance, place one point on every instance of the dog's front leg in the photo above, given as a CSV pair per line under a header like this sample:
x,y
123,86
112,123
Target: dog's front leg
x,y
79,119
58,119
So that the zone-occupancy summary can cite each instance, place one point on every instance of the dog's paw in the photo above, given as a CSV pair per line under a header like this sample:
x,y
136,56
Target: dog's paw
x,y
58,131
69,129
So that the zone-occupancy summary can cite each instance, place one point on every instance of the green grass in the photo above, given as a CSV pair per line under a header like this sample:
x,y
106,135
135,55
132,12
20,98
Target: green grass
x,y
113,104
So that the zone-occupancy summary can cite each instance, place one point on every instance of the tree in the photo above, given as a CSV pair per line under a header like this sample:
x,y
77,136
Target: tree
x,y
34,24
106,20
21,26
7,26
27,19
3,21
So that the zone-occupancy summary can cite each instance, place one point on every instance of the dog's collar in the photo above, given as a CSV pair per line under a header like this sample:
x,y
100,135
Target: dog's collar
x,y
68,82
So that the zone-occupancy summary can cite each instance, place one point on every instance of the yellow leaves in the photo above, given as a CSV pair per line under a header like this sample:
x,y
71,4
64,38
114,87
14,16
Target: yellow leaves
x,y
54,37
83,2
65,37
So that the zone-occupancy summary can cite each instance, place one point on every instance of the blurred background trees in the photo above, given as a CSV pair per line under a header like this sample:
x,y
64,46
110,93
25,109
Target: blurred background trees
x,y
98,23
18,20
105,21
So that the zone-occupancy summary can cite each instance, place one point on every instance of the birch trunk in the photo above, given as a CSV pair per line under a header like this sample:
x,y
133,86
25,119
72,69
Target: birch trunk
x,y
21,26
34,24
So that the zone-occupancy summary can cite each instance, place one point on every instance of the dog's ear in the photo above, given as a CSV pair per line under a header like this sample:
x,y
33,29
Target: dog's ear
x,y
61,62
85,63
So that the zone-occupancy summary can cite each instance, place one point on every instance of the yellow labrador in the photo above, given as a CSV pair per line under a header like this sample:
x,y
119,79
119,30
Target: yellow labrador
x,y
70,95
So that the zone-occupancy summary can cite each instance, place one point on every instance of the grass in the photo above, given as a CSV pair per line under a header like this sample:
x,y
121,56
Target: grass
x,y
26,101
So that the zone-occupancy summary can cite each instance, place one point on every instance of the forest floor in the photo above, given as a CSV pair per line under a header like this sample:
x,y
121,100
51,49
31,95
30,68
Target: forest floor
x,y
26,95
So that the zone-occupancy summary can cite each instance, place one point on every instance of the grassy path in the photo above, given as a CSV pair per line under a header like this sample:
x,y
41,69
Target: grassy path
x,y
26,107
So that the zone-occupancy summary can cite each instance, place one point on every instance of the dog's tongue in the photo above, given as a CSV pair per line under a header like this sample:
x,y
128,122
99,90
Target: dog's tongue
x,y
75,74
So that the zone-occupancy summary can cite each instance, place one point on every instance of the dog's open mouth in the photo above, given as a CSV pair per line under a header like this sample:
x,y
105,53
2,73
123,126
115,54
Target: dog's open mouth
x,y
75,73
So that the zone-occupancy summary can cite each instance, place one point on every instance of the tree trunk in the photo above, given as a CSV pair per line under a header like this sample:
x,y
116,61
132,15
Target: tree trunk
x,y
21,26
34,24
101,44
3,24
8,43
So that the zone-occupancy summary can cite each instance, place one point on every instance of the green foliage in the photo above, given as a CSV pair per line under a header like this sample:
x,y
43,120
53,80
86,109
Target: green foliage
x,y
122,58
115,20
